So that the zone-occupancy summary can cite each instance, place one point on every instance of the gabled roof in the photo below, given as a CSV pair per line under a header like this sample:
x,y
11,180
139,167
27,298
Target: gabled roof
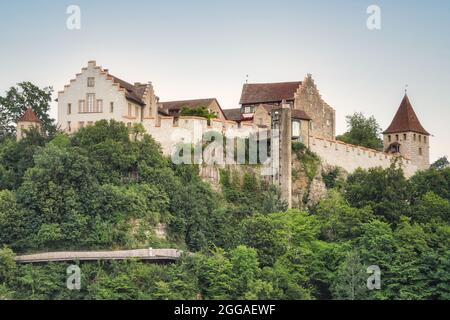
x,y
253,93
134,93
195,103
29,116
233,114
406,120
176,106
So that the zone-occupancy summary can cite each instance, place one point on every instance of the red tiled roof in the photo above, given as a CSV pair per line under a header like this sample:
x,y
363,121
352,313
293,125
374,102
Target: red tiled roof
x,y
268,92
406,120
29,116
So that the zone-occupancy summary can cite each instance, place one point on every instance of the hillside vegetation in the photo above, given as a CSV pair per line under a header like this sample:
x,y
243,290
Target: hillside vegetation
x,y
97,189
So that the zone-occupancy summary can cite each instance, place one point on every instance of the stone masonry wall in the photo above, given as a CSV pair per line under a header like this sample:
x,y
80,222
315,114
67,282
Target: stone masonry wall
x,y
323,116
350,157
413,146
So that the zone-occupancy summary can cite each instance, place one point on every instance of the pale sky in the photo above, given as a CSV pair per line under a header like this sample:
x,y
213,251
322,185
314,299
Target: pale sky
x,y
201,49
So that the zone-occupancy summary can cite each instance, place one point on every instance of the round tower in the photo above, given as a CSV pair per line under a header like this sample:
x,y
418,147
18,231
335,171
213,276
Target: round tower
x,y
27,121
407,137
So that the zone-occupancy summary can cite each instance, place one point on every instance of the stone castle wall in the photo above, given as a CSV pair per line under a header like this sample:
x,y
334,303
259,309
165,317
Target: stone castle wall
x,y
351,157
323,116
170,131
414,146
332,152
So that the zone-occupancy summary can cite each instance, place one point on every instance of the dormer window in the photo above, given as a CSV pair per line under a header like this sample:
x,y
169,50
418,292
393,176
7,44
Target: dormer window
x,y
91,82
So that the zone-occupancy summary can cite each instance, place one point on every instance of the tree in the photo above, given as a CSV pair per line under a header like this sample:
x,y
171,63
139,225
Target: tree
x,y
340,221
16,157
386,191
350,282
440,163
17,100
265,235
362,131
200,111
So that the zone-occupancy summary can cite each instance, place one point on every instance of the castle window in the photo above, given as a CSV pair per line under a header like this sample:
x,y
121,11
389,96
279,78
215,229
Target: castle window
x,y
390,138
129,109
91,82
420,138
81,106
136,111
404,136
247,110
111,107
99,106
420,151
397,137
69,128
424,139
90,102
69,108
415,137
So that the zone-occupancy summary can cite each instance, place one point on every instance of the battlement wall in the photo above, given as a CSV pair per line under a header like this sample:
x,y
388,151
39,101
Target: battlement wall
x,y
351,157
170,131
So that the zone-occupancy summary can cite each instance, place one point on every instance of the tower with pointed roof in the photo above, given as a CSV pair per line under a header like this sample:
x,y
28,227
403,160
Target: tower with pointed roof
x,y
407,137
27,121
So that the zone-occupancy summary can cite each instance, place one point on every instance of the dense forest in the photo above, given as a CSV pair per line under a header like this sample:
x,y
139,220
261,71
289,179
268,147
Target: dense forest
x,y
99,189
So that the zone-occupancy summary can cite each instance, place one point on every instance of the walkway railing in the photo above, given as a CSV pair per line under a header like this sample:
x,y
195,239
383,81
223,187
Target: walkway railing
x,y
140,254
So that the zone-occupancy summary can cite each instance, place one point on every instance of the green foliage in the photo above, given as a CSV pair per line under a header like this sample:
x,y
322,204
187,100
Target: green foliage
x,y
350,281
99,189
201,111
440,163
362,131
338,219
331,178
386,191
17,100
309,160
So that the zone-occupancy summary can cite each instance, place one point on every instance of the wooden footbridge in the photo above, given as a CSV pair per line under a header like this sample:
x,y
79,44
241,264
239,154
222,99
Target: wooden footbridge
x,y
150,255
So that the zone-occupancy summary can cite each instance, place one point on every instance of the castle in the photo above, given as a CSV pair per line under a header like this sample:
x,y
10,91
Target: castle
x,y
95,94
